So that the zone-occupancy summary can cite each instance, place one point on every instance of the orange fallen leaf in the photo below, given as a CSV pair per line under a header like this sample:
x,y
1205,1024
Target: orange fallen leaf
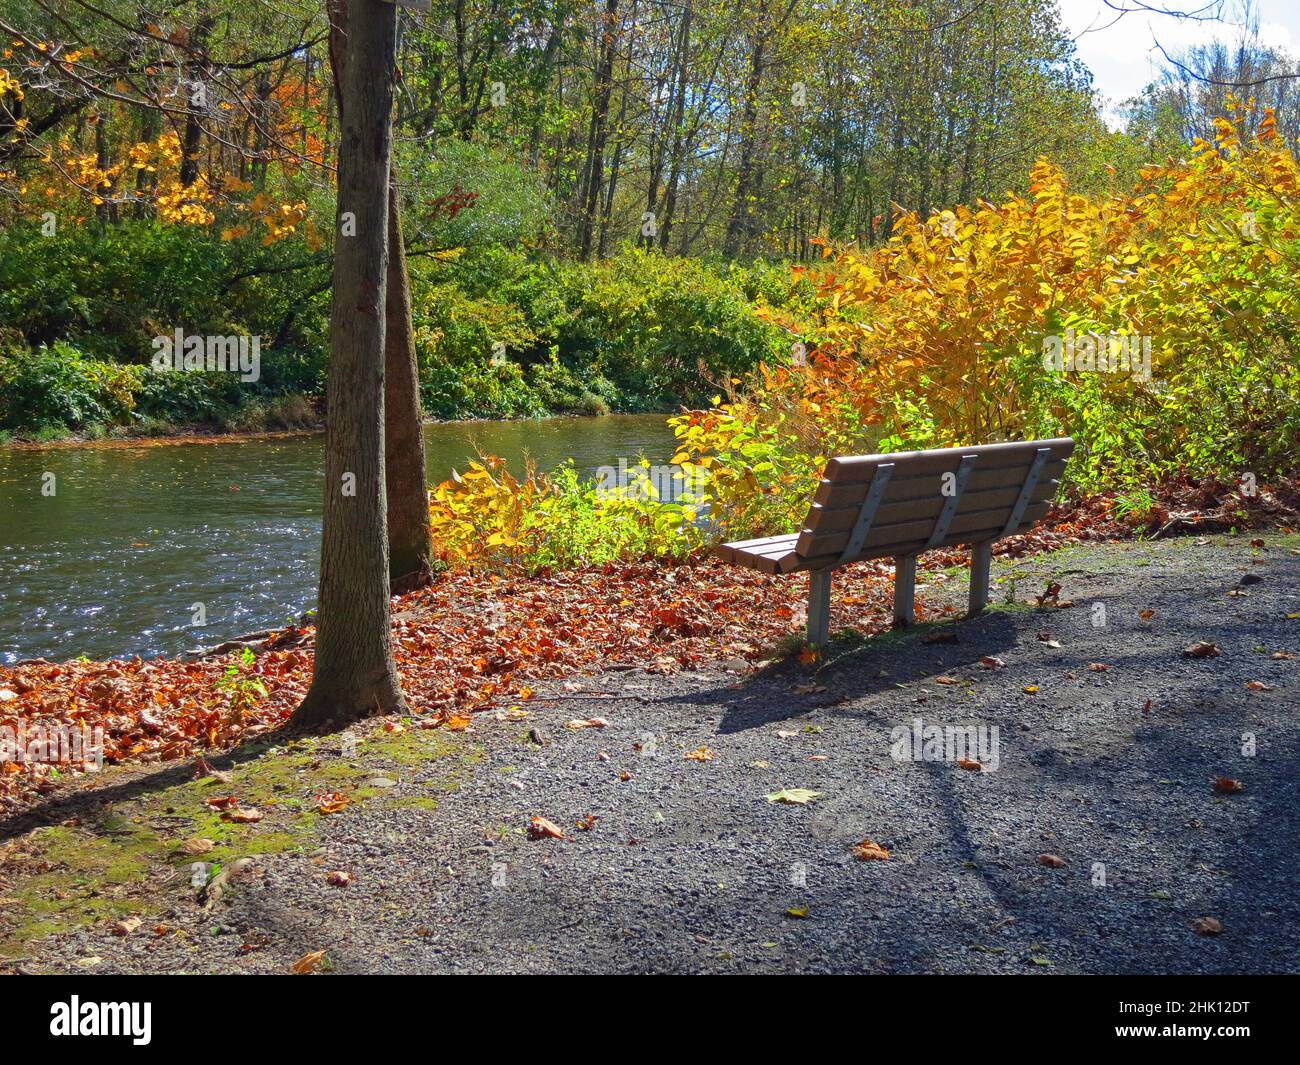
x,y
338,878
1227,786
541,828
971,764
870,851
1258,686
586,824
700,754
331,802
221,802
1051,861
1098,667
309,962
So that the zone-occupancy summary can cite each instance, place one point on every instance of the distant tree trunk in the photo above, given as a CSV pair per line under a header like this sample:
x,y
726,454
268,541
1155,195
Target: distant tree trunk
x,y
740,222
409,539
595,169
196,90
354,674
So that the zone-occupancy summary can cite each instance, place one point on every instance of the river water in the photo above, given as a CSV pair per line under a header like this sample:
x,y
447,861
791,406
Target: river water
x,y
112,563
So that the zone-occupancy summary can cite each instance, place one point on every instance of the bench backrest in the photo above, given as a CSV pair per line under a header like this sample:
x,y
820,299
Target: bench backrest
x,y
876,506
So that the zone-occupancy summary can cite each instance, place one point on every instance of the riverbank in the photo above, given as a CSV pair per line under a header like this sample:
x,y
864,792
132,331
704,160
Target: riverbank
x,y
1092,838
202,434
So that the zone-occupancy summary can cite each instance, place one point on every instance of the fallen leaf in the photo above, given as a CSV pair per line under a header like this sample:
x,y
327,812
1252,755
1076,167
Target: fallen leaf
x,y
127,926
1207,926
197,846
1098,667
242,815
797,796
221,802
338,878
1146,615
1202,649
586,722
1051,861
1030,689
870,851
308,963
541,828
1258,686
971,764
799,912
586,824
1227,786
992,662
700,754
331,802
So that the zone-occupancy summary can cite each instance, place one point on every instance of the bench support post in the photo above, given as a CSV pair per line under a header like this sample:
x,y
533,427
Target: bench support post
x,y
904,590
819,606
980,555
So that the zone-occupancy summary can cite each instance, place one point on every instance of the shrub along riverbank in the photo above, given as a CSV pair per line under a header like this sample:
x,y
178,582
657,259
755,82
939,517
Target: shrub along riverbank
x,y
500,332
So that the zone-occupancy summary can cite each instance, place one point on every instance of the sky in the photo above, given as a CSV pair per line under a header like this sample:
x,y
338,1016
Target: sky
x,y
1121,51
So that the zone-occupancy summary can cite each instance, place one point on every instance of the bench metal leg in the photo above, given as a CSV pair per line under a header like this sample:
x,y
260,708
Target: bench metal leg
x,y
980,554
904,590
819,606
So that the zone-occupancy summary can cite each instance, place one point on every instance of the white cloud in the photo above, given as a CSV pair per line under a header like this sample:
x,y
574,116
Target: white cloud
x,y
1121,50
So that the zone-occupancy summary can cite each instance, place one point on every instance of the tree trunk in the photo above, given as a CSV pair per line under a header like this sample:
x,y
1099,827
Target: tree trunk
x,y
595,169
409,539
354,674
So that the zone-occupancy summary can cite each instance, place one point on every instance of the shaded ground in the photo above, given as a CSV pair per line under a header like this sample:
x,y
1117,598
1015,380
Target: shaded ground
x,y
687,867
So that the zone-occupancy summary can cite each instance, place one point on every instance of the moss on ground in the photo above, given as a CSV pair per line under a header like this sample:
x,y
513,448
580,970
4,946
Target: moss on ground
x,y
129,860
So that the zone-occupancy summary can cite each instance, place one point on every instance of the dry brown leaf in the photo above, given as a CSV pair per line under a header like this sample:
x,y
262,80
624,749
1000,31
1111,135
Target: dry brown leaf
x,y
587,722
1202,649
338,878
1258,686
1051,861
870,851
242,815
127,926
971,764
197,846
541,828
1207,926
1227,786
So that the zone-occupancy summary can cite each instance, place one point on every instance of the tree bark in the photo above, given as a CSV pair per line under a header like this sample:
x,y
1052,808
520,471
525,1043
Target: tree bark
x,y
409,539
354,674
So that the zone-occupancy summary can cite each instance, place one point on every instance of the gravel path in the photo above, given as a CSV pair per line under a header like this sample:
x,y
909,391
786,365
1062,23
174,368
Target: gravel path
x,y
688,868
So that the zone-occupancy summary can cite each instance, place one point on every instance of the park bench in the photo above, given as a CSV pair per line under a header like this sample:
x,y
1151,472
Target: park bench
x,y
896,506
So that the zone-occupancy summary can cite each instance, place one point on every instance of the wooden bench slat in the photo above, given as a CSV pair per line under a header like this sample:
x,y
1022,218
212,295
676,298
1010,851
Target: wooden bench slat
x,y
902,487
836,519
1018,452
884,539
